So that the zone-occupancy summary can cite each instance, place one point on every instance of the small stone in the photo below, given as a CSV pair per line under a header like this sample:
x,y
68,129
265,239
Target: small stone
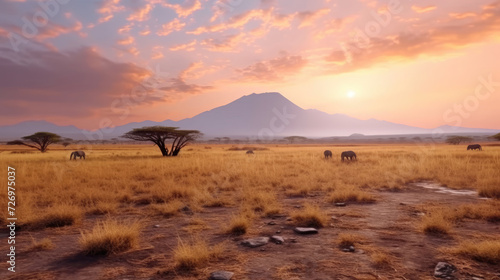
x,y
304,230
271,223
156,226
277,239
298,206
349,249
255,242
444,270
401,203
293,240
360,251
278,231
282,227
289,219
221,275
340,204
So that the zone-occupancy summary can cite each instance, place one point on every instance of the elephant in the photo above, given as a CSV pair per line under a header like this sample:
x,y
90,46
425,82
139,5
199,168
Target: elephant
x,y
348,154
328,154
249,152
77,154
474,147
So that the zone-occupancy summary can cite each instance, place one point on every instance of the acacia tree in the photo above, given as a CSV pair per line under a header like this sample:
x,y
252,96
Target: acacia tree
x,y
39,140
160,134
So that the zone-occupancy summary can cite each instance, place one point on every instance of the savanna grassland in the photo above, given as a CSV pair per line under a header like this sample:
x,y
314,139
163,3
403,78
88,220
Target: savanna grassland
x,y
127,213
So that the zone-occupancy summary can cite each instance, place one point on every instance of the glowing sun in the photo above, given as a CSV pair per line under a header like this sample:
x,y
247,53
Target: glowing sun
x,y
351,94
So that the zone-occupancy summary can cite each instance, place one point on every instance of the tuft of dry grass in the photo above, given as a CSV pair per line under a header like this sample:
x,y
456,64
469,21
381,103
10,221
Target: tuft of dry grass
x,y
345,240
380,259
57,216
238,224
309,216
482,251
188,256
264,202
103,208
167,209
437,222
491,191
489,211
110,236
350,194
196,225
44,244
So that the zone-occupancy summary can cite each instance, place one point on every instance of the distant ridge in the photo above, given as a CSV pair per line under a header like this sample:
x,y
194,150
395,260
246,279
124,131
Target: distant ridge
x,y
264,115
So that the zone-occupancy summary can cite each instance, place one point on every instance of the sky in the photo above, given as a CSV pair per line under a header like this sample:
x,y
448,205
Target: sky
x,y
102,63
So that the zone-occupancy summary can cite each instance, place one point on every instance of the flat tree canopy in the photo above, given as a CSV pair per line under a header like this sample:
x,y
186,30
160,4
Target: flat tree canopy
x,y
39,140
160,134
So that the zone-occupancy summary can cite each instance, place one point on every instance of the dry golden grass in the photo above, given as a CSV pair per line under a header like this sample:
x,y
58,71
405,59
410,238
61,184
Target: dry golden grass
x,y
488,210
483,251
40,245
309,216
115,176
345,240
196,225
239,224
381,259
188,256
56,216
110,236
167,209
350,194
437,222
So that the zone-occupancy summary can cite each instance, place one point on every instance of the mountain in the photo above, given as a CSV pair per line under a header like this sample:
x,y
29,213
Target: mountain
x,y
264,115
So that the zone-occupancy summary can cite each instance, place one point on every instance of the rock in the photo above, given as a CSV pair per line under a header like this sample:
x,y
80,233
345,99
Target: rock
x,y
360,251
277,239
221,275
255,242
340,204
271,223
293,240
304,230
349,249
298,206
444,270
289,219
278,231
156,226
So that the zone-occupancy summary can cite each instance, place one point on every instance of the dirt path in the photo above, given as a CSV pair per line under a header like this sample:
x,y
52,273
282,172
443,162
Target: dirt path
x,y
389,226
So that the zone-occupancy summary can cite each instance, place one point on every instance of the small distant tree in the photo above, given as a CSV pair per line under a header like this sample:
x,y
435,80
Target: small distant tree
x,y
66,142
294,139
39,140
496,136
455,140
161,134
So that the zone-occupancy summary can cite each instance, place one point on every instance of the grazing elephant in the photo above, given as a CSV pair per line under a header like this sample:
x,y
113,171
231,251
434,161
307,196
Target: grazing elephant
x,y
249,152
328,154
474,147
348,154
77,154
